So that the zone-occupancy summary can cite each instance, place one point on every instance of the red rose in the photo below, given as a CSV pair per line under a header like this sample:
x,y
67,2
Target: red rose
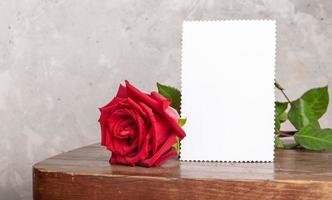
x,y
139,128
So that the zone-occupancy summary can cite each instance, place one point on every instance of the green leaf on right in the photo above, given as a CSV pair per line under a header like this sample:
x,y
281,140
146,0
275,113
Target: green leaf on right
x,y
315,139
309,108
171,93
280,114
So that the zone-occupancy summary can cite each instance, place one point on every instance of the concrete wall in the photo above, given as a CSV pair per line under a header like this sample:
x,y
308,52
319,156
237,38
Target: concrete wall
x,y
61,59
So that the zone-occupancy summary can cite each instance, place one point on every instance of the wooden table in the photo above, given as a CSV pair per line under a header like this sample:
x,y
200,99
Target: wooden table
x,y
85,173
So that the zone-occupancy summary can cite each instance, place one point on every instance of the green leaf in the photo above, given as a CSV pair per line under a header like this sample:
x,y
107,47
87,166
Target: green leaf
x,y
182,121
284,142
283,117
309,108
171,93
280,114
176,146
315,139
278,143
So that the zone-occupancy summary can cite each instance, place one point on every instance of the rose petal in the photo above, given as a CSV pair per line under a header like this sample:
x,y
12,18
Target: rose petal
x,y
164,148
103,133
132,160
163,131
168,155
140,124
109,141
120,147
152,122
111,105
158,96
136,106
136,94
143,151
156,106
140,119
116,159
123,130
122,92
174,122
172,113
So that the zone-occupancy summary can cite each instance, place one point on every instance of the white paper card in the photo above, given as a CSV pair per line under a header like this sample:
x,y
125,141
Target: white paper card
x,y
228,90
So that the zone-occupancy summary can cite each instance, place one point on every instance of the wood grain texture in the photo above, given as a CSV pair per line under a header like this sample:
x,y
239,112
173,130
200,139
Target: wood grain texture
x,y
85,173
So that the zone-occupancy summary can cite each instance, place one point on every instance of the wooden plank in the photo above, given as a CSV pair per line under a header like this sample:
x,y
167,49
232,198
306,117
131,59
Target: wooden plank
x,y
85,173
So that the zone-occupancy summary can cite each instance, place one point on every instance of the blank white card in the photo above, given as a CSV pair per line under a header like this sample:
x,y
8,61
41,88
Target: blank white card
x,y
228,90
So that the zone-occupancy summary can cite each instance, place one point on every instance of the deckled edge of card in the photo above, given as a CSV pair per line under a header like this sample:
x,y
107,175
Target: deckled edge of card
x,y
274,69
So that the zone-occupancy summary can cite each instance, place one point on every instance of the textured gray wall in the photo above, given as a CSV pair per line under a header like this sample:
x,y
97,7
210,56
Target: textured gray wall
x,y
61,59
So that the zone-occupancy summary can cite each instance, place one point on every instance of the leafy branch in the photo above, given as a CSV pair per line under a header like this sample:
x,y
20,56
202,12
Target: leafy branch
x,y
304,114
